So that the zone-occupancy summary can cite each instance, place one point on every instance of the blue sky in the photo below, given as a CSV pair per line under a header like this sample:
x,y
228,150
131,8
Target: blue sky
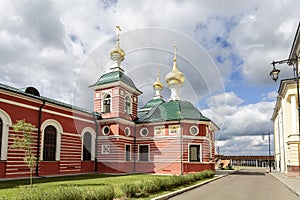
x,y
224,48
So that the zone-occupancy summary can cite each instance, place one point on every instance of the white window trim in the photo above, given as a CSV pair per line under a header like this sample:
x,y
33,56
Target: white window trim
x,y
179,129
196,128
103,95
59,132
210,145
127,128
93,142
200,152
155,131
142,131
125,153
148,152
106,145
103,130
130,108
6,120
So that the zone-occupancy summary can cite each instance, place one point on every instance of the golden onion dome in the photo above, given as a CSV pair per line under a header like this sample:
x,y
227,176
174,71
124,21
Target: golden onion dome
x,y
117,54
117,51
175,76
158,85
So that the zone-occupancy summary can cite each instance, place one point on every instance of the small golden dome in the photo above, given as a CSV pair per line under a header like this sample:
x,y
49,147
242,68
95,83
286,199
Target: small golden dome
x,y
175,76
117,54
119,51
158,85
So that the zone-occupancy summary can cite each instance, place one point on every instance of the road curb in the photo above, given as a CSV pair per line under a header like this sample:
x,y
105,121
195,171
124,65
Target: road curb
x,y
177,192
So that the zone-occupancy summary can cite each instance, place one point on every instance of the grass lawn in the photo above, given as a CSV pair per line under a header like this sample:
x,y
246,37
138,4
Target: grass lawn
x,y
16,189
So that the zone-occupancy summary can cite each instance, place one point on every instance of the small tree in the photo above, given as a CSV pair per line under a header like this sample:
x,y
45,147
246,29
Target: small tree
x,y
25,143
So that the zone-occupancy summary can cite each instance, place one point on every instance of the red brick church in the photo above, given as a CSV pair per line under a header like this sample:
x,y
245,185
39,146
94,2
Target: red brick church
x,y
167,137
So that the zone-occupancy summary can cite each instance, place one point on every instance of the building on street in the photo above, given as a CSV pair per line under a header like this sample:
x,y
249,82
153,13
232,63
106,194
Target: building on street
x,y
164,136
286,121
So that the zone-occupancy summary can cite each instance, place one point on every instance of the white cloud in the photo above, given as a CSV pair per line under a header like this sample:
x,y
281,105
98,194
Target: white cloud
x,y
241,125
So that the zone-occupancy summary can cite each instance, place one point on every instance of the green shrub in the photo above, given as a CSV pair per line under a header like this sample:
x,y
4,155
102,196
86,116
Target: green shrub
x,y
165,184
147,187
130,190
150,187
103,192
190,178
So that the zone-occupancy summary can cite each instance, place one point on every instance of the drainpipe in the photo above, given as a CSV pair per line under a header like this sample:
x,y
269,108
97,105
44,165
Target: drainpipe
x,y
181,150
134,149
96,142
181,140
39,139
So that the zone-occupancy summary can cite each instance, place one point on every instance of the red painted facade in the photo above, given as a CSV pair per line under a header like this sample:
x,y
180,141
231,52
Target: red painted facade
x,y
16,106
124,149
72,140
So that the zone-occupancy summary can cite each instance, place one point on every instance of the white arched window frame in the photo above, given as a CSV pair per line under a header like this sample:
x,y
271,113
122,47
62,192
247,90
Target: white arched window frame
x,y
128,104
6,123
93,142
59,131
106,102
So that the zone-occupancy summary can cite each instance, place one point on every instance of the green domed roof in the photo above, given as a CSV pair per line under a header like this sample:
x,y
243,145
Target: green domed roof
x,y
115,76
173,110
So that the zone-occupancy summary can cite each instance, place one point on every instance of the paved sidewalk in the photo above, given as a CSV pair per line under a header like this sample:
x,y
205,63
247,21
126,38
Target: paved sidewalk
x,y
293,183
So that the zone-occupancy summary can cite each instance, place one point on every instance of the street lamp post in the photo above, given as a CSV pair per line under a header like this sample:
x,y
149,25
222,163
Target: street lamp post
x,y
263,137
275,72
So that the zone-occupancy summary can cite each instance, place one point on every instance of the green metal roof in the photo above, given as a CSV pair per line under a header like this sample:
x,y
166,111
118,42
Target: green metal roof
x,y
142,113
153,102
173,110
46,99
114,77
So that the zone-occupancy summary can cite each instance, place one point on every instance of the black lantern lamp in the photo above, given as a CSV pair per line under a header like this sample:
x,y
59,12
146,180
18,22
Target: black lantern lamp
x,y
274,73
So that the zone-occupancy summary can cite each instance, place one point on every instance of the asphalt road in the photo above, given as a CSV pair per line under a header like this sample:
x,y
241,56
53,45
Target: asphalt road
x,y
254,184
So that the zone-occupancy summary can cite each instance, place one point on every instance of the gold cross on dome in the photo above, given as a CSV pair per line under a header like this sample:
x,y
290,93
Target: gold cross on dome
x,y
175,49
118,34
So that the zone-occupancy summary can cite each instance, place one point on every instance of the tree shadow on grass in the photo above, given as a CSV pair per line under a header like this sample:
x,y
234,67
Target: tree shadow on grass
x,y
6,184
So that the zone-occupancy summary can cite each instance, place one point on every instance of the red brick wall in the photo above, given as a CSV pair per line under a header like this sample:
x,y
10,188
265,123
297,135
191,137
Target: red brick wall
x,y
72,122
2,169
49,168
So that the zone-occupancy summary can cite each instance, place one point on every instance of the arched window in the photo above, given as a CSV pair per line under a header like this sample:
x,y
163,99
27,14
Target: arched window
x,y
128,105
1,135
49,150
106,103
87,146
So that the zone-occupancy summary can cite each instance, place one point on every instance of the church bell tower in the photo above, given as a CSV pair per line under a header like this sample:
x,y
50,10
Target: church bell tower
x,y
115,94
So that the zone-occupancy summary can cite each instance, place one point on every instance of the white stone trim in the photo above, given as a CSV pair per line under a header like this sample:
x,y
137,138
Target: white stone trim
x,y
148,152
46,110
104,93
126,152
141,132
197,130
159,131
103,130
177,129
130,108
129,132
93,142
200,152
59,130
294,114
6,120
